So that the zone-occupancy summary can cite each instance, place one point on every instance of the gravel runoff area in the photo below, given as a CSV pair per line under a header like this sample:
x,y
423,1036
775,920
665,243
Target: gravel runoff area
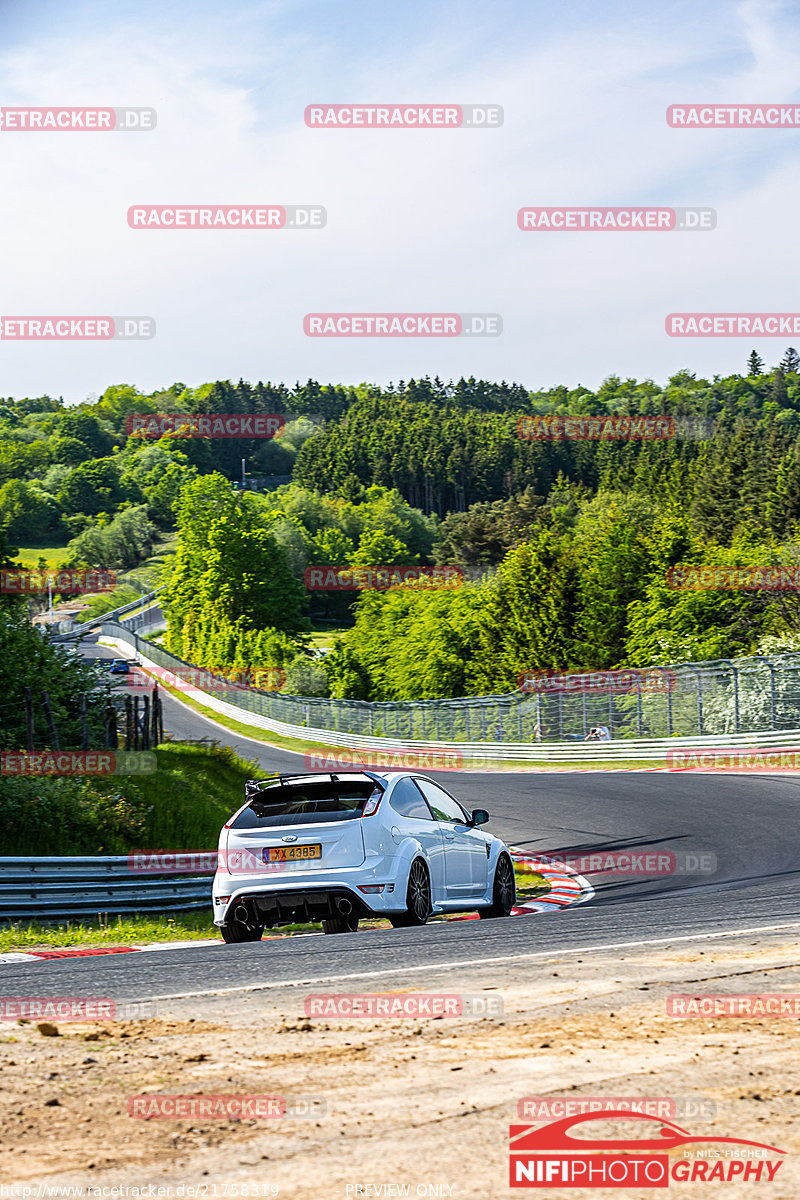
x,y
384,1107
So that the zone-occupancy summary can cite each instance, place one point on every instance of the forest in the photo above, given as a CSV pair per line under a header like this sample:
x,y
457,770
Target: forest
x,y
566,540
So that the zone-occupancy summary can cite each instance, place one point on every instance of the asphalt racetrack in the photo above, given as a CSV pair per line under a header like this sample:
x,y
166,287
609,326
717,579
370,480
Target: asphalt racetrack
x,y
742,829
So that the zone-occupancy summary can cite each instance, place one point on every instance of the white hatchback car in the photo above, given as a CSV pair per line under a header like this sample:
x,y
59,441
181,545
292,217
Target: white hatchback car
x,y
339,847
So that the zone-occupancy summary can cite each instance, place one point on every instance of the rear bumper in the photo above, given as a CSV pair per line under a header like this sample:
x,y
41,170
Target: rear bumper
x,y
290,907
309,898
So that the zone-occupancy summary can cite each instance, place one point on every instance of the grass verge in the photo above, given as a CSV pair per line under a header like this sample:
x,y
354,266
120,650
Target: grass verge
x,y
183,804
107,931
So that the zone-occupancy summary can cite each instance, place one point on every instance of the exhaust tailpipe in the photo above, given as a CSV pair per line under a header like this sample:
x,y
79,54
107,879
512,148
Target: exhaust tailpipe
x,y
344,906
241,914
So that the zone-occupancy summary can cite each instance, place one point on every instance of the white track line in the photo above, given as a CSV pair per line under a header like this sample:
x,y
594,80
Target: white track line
x,y
552,953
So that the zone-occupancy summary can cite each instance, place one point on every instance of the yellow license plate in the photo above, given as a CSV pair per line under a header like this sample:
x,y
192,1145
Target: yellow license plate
x,y
293,853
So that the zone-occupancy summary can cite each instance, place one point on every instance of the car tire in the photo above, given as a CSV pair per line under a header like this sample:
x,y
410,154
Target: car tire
x,y
237,931
348,924
504,891
418,897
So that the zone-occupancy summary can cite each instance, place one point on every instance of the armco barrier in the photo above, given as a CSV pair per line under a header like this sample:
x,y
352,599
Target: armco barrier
x,y
88,626
250,706
45,888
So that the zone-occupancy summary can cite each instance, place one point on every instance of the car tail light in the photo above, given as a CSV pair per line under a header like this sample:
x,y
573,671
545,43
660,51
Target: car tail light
x,y
371,888
371,807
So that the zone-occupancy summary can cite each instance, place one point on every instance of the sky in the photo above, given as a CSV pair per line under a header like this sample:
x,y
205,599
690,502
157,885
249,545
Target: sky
x,y
417,220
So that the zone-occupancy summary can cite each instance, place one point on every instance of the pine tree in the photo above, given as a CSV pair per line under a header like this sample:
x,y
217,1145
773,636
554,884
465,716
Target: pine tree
x,y
755,364
790,361
778,393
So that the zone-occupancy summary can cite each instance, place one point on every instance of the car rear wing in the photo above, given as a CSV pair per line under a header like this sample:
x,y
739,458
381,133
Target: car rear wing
x,y
253,787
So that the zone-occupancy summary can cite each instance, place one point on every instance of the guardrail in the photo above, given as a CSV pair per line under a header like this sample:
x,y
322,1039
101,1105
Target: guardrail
x,y
213,689
143,619
112,615
52,888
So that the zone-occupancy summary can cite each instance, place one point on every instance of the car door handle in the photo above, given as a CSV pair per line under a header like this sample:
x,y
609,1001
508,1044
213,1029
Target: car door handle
x,y
450,837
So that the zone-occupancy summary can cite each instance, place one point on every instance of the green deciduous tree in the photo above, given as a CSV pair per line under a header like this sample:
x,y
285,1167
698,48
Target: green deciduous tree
x,y
93,487
29,660
27,512
123,543
229,569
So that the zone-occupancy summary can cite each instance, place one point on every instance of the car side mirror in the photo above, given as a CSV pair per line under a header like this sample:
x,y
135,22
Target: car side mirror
x,y
479,816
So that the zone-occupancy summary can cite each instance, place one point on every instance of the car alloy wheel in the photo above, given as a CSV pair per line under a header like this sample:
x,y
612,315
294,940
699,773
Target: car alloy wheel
x,y
418,897
504,891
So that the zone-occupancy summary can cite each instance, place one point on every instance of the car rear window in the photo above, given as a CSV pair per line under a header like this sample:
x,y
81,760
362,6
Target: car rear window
x,y
310,803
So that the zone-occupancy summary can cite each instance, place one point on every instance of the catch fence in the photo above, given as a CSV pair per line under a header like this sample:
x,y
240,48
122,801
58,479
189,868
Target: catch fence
x,y
710,699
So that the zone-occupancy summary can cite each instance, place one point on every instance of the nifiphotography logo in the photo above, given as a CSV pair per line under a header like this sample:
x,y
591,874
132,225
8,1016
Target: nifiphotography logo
x,y
655,1154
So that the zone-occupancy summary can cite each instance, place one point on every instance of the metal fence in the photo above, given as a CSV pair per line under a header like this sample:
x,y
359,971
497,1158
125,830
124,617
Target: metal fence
x,y
52,888
708,699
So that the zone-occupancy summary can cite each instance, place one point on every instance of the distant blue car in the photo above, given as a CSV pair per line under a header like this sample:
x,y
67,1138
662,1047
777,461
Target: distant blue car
x,y
120,667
